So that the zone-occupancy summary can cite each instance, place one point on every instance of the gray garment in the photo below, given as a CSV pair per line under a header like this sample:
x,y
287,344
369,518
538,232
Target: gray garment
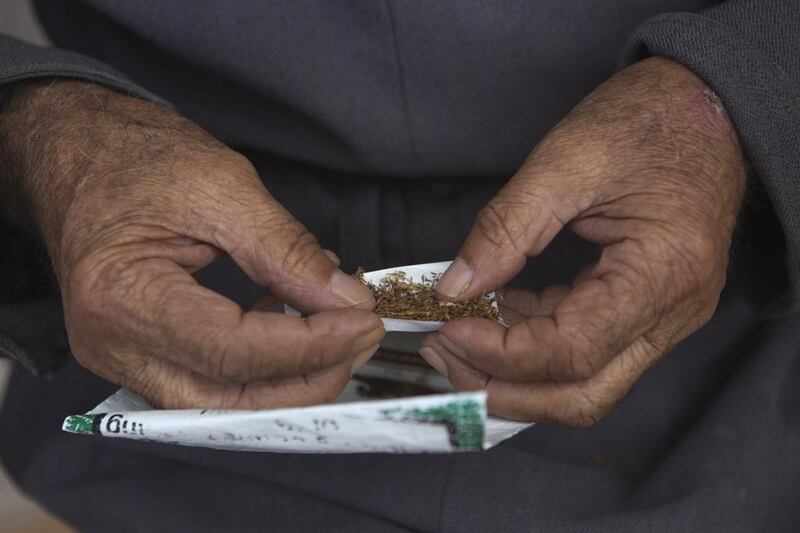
x,y
384,126
708,440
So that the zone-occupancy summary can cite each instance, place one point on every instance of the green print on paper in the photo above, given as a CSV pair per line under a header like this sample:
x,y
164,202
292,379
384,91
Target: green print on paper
x,y
81,424
463,419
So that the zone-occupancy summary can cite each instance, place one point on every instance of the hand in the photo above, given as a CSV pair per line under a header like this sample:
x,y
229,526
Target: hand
x,y
131,200
649,167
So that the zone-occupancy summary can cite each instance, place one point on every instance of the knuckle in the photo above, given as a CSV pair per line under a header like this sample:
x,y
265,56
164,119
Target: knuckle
x,y
583,419
325,389
98,289
694,262
703,260
83,288
271,238
489,223
500,223
579,366
222,363
147,385
518,356
707,311
589,410
312,358
580,407
577,360
697,315
645,352
326,342
330,392
239,163
301,248
157,382
225,167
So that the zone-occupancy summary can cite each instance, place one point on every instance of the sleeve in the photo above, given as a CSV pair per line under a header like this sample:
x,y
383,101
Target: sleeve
x,y
31,321
748,52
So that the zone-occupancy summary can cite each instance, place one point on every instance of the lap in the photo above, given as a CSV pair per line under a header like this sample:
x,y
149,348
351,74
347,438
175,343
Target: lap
x,y
707,438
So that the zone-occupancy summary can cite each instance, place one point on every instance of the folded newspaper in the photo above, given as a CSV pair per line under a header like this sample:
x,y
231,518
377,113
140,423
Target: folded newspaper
x,y
396,403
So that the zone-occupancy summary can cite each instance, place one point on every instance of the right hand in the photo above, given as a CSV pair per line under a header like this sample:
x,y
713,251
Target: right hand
x,y
131,200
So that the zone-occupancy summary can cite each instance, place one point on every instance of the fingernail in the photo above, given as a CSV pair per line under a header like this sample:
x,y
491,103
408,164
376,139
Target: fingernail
x,y
351,291
363,357
433,359
453,347
455,280
332,256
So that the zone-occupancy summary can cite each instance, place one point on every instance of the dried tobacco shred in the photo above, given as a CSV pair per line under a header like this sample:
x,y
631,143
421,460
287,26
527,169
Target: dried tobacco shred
x,y
397,297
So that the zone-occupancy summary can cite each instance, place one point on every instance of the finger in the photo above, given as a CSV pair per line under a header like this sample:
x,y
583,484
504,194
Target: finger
x,y
516,224
273,248
362,358
267,303
333,257
516,305
463,375
574,404
178,320
587,328
169,386
191,254
284,257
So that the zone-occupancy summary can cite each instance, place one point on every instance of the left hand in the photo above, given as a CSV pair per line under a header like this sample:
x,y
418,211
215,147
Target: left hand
x,y
649,167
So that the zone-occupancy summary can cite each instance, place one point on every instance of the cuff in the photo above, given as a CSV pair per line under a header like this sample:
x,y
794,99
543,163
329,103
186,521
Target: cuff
x,y
20,61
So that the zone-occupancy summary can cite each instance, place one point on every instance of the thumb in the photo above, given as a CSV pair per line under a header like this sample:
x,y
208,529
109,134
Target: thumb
x,y
516,224
279,253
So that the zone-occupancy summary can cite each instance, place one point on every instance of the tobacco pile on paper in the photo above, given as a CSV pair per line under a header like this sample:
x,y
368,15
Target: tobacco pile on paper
x,y
396,296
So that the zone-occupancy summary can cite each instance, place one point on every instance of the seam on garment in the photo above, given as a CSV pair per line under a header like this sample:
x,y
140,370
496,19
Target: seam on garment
x,y
412,144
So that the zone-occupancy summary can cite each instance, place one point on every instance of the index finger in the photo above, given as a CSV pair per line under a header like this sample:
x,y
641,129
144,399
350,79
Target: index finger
x,y
601,316
172,317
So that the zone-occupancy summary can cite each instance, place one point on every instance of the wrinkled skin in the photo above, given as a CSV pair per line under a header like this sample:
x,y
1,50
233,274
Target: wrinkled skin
x,y
131,200
649,167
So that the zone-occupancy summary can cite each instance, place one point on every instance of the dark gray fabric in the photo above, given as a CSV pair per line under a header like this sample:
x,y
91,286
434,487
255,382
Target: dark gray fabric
x,y
387,88
21,61
384,126
41,346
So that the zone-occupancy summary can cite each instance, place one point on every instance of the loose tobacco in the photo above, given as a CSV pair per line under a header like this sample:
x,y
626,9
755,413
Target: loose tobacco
x,y
396,296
